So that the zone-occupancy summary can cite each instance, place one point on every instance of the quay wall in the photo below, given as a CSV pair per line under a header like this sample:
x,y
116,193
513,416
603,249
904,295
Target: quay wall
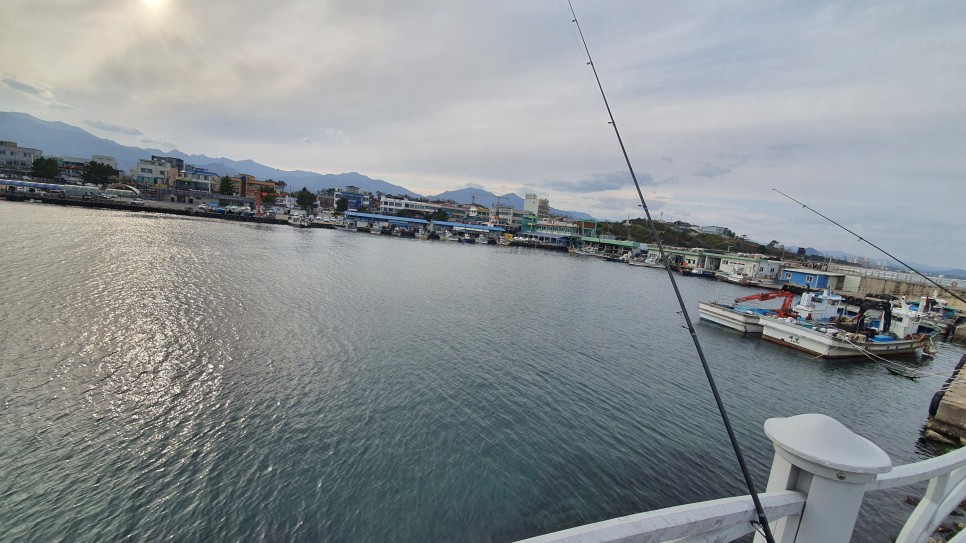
x,y
147,207
875,285
947,411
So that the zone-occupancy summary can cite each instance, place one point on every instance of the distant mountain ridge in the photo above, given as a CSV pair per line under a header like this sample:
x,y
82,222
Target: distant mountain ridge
x,y
60,139
486,198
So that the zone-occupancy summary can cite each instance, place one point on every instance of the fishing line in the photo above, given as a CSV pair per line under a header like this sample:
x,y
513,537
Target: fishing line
x,y
881,250
762,519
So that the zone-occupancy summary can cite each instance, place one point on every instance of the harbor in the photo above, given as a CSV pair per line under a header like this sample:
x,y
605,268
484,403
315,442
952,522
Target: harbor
x,y
158,381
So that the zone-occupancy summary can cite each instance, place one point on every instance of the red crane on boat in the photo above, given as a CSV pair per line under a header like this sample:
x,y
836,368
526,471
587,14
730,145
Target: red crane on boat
x,y
784,311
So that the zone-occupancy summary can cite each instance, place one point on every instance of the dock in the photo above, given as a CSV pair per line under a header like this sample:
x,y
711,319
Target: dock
x,y
947,411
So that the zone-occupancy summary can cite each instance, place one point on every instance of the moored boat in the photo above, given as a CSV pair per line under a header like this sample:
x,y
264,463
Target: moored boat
x,y
743,320
301,221
827,341
745,317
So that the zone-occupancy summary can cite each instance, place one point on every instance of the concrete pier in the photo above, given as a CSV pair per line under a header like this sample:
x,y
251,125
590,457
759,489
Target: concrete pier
x,y
947,412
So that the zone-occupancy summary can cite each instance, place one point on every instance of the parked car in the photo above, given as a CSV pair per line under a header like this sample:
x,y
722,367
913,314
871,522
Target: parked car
x,y
137,202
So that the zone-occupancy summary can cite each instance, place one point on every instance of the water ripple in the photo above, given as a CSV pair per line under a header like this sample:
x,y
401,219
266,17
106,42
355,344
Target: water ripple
x,y
188,379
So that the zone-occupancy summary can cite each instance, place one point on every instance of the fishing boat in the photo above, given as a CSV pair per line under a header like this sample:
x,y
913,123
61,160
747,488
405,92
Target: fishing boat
x,y
745,317
828,341
301,221
624,258
817,331
653,260
735,277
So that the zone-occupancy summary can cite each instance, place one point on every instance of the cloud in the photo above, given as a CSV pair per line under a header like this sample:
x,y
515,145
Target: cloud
x,y
25,88
108,127
159,142
306,140
335,135
598,182
35,93
709,170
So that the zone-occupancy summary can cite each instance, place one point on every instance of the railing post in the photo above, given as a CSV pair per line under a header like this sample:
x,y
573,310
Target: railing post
x,y
817,455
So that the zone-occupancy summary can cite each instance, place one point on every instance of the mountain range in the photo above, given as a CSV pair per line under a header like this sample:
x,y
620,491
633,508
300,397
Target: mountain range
x,y
55,138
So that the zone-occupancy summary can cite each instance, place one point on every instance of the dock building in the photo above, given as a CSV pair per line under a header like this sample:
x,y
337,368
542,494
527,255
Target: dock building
x,y
16,160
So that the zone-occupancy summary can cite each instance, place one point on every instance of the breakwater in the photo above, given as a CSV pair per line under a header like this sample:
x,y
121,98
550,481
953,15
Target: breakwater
x,y
147,207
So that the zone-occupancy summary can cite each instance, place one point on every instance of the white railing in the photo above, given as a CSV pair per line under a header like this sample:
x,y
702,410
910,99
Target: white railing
x,y
819,477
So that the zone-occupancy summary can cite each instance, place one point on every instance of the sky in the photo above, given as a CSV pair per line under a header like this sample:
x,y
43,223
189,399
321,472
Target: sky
x,y
857,109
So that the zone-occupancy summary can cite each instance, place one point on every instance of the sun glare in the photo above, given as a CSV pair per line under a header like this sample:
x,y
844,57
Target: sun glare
x,y
153,3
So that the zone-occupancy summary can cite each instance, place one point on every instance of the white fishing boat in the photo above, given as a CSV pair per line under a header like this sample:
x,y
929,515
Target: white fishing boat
x,y
824,329
653,260
301,221
826,341
742,316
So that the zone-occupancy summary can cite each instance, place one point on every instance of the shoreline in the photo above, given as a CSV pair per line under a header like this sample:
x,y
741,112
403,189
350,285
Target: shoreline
x,y
146,207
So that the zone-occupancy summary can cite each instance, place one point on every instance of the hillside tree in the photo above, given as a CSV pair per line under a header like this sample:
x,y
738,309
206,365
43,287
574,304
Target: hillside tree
x,y
226,187
98,173
45,168
305,199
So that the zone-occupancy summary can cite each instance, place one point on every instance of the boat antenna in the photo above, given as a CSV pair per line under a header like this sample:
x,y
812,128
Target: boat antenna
x,y
876,247
762,519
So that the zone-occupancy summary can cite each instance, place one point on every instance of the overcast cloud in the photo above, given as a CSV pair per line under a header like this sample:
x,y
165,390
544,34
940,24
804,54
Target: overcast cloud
x,y
857,109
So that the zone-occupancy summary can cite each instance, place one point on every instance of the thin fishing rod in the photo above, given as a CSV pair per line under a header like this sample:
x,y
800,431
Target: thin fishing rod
x,y
881,250
762,519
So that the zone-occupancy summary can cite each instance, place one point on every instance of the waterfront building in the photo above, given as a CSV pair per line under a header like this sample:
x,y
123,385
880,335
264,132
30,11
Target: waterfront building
x,y
476,213
175,163
539,207
199,179
154,173
751,265
16,160
391,205
326,198
287,202
550,226
510,217
106,160
608,245
71,169
587,229
355,196
454,211
812,279
247,186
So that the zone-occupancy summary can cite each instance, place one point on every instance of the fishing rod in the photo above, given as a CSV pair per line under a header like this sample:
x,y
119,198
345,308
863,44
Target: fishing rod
x,y
762,519
876,247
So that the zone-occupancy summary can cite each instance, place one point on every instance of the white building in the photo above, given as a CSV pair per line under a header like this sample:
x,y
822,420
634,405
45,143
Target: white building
x,y
153,173
106,160
538,207
716,230
15,159
388,205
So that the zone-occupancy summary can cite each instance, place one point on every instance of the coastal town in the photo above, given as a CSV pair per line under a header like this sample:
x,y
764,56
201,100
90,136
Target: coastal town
x,y
169,185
